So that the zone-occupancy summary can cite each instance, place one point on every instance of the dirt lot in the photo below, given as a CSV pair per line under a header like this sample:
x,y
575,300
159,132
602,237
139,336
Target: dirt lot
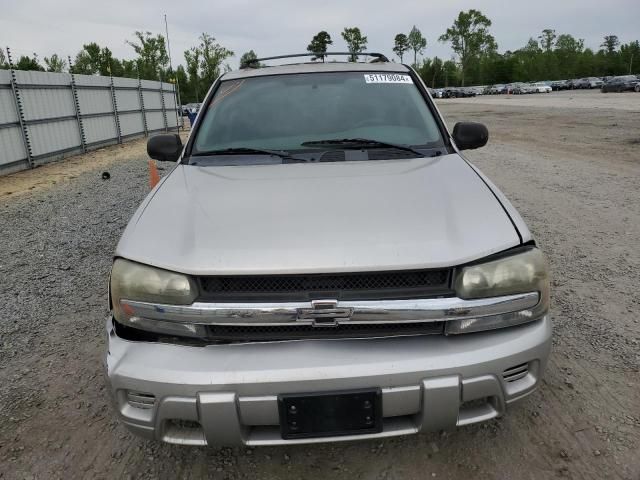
x,y
572,171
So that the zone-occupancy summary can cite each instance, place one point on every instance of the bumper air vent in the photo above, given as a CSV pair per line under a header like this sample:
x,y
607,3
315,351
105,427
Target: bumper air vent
x,y
140,400
515,373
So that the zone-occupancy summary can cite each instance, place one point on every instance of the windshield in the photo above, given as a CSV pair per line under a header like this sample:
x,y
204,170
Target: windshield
x,y
283,112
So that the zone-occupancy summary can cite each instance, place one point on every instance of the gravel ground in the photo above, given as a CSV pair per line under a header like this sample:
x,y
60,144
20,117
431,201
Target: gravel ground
x,y
573,173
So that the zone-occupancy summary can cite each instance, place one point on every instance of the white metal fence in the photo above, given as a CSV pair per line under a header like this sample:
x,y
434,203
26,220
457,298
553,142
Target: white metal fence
x,y
46,116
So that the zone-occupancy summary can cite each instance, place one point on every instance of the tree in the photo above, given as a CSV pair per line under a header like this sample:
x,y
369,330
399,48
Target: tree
x,y
87,61
54,63
567,50
450,73
152,54
610,44
3,62
469,36
319,44
212,57
247,58
205,63
192,58
546,39
356,42
28,63
186,94
93,60
401,45
629,57
417,43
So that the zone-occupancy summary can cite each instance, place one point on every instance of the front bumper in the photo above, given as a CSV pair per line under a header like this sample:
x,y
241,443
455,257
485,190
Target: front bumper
x,y
228,394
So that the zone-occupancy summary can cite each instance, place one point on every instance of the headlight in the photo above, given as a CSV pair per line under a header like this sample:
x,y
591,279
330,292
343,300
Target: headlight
x,y
523,272
142,283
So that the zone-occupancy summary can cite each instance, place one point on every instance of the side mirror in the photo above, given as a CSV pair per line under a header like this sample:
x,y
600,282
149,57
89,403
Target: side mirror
x,y
166,148
469,135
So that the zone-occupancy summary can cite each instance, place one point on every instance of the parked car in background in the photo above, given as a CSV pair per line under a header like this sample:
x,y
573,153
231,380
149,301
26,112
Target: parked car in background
x,y
523,88
593,82
540,87
622,83
497,89
458,92
560,85
588,82
571,84
311,269
580,83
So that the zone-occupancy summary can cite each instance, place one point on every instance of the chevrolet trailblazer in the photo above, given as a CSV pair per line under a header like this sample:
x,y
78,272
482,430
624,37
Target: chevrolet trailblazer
x,y
322,264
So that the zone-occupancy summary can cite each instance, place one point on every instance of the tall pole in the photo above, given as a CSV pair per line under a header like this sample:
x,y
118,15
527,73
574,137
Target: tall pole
x,y
176,86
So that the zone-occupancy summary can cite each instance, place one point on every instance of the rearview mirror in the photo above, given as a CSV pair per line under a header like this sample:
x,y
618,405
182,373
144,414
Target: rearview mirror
x,y
469,135
166,148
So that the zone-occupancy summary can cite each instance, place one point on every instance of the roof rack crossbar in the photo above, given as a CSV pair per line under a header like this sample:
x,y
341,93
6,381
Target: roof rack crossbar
x,y
378,57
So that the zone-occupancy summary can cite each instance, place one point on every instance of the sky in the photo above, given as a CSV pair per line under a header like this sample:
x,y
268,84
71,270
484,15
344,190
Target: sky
x,y
286,26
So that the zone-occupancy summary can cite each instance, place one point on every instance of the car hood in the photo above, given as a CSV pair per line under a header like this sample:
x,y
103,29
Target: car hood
x,y
318,217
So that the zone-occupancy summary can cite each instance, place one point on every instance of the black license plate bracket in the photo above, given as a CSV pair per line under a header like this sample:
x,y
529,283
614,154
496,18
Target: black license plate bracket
x,y
328,414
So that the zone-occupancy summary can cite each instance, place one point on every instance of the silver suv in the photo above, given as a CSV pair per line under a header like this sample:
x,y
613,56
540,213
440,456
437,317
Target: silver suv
x,y
322,264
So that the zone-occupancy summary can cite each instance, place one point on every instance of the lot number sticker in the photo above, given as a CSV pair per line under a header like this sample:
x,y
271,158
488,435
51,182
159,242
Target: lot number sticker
x,y
387,78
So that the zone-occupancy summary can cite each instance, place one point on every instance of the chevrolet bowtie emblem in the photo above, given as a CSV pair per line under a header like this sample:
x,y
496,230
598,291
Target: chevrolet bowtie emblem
x,y
324,313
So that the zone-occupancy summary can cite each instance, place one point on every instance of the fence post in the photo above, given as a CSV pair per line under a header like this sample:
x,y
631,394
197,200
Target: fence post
x,y
164,109
144,114
76,103
114,102
20,111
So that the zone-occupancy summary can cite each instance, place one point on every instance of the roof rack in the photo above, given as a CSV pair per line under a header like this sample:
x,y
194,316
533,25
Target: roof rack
x,y
255,62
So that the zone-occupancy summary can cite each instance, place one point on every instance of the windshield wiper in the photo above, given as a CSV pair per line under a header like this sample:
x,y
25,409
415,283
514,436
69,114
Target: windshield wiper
x,y
243,151
361,143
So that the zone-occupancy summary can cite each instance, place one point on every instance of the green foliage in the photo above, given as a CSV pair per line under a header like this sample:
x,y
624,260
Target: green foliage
x,y
469,37
247,58
416,42
213,55
401,45
546,39
191,91
356,42
26,62
610,44
319,44
630,57
55,64
153,60
93,60
205,63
